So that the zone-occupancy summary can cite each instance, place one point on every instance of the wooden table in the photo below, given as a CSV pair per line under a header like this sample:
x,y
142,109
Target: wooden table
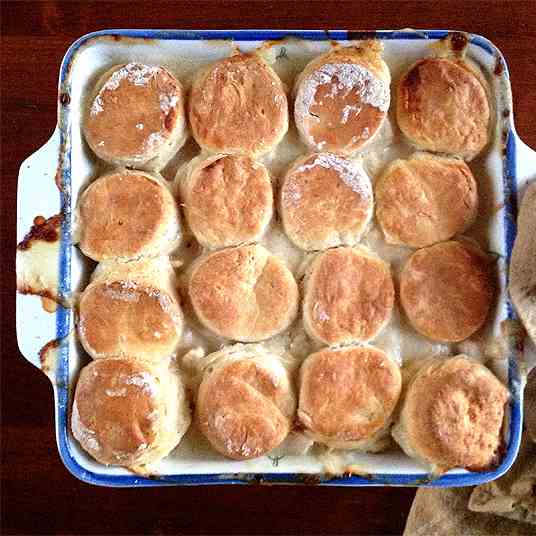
x,y
38,494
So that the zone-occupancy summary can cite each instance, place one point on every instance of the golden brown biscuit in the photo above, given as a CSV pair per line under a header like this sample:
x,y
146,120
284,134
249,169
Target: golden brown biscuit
x,y
446,290
128,214
136,116
342,98
243,293
245,404
442,106
238,105
347,396
131,309
128,413
452,415
349,296
425,199
326,201
228,200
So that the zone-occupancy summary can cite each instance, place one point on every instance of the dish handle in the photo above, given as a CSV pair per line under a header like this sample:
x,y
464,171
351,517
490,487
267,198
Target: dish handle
x,y
38,251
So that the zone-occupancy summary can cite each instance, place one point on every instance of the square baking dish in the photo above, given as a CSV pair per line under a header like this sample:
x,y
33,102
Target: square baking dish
x,y
48,184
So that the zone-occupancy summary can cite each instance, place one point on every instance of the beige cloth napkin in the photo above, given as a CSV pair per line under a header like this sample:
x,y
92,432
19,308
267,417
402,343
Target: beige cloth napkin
x,y
506,506
512,496
523,265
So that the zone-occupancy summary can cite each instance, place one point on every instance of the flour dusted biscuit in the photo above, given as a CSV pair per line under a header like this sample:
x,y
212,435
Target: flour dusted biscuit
x,y
342,98
131,309
326,201
128,413
136,116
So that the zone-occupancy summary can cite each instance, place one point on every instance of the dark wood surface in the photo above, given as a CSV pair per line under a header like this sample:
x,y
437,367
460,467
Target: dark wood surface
x,y
39,496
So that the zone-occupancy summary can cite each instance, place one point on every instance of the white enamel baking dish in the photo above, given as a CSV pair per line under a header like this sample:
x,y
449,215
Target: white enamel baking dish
x,y
42,335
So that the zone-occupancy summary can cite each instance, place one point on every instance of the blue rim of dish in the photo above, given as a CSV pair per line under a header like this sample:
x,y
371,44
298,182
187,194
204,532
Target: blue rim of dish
x,y
64,316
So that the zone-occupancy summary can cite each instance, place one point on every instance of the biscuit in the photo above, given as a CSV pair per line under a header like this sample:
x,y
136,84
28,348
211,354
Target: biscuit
x,y
349,296
442,106
136,117
228,200
452,415
238,105
347,396
342,98
128,413
131,309
244,293
245,404
326,201
126,215
446,290
425,199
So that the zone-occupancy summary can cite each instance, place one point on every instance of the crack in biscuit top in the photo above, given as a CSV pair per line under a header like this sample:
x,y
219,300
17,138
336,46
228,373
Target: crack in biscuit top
x,y
343,78
110,323
340,105
244,293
